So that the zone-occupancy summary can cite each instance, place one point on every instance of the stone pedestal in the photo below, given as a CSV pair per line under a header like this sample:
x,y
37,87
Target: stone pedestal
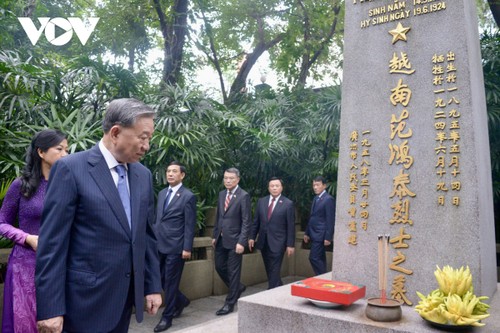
x,y
277,311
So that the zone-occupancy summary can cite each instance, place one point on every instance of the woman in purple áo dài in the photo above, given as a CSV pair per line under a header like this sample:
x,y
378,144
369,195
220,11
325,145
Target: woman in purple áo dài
x,y
23,203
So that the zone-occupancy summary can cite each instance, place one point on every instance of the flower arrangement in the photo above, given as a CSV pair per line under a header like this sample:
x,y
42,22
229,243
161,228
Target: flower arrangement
x,y
454,302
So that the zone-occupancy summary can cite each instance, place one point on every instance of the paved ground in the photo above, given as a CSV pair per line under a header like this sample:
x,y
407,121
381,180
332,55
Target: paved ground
x,y
200,316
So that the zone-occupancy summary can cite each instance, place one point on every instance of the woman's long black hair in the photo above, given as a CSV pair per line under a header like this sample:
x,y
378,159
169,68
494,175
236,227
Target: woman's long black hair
x,y
32,171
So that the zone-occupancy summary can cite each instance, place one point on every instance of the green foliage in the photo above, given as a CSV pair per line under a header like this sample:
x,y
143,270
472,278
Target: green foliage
x,y
41,93
292,136
81,131
129,22
23,83
314,30
4,187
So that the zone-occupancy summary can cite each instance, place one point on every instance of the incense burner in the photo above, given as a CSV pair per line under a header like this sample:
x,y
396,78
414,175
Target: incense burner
x,y
383,310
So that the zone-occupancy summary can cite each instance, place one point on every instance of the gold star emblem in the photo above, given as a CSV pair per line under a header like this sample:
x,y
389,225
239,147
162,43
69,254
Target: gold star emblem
x,y
399,33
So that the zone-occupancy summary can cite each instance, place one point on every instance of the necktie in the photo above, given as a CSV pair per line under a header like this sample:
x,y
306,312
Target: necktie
x,y
167,200
228,198
270,209
123,190
316,198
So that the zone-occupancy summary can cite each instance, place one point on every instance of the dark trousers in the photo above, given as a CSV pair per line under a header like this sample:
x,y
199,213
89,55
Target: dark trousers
x,y
272,263
171,266
317,257
228,266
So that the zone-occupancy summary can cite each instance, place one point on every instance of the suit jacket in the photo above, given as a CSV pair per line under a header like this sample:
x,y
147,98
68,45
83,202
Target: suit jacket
x,y
234,223
279,230
322,220
87,254
175,227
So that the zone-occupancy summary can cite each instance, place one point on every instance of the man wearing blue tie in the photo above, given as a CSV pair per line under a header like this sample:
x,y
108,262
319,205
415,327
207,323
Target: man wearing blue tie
x,y
321,225
175,223
97,256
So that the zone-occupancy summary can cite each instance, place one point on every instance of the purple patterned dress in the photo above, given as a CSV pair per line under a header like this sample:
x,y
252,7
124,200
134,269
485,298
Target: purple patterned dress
x,y
19,303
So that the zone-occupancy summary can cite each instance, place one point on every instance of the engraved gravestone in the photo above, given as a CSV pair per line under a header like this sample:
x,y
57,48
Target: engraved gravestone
x,y
414,154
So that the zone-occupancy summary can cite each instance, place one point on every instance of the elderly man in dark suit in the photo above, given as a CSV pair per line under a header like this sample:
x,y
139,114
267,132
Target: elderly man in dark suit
x,y
175,222
231,231
97,256
321,225
274,223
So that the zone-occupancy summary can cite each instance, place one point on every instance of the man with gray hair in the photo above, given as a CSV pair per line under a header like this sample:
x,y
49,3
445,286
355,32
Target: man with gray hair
x,y
97,256
231,231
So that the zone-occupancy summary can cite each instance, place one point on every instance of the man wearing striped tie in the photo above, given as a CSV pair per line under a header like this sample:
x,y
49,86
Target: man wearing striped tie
x,y
231,231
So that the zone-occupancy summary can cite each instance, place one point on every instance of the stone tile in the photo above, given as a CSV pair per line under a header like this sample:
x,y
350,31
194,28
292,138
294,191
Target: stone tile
x,y
200,316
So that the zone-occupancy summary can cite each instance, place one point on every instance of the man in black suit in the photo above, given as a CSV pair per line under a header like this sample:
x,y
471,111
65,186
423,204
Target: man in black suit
x,y
321,225
175,222
97,256
232,227
274,223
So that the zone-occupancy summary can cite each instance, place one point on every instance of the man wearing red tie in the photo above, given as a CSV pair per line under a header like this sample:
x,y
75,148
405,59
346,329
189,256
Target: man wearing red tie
x,y
231,231
274,224
321,225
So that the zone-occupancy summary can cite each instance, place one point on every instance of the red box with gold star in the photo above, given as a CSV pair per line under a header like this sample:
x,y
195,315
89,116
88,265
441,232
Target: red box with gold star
x,y
328,290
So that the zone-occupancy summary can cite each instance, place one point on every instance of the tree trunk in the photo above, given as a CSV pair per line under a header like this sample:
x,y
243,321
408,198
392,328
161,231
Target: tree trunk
x,y
174,33
29,8
212,56
238,88
239,84
308,61
131,59
306,57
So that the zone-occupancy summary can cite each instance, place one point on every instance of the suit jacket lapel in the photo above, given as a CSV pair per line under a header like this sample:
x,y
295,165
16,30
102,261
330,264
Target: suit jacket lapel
x,y
222,199
234,197
176,197
265,208
277,205
102,176
315,203
161,203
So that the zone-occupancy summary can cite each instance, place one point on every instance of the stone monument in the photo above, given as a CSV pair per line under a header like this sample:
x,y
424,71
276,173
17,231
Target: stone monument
x,y
414,153
414,164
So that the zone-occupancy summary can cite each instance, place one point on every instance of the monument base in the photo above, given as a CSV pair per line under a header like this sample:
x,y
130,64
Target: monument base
x,y
276,310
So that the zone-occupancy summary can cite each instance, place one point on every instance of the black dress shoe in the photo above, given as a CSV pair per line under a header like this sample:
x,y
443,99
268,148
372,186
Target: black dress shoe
x,y
163,325
178,312
225,310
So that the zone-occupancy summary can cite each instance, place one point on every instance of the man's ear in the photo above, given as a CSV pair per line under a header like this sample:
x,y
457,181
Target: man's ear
x,y
114,132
